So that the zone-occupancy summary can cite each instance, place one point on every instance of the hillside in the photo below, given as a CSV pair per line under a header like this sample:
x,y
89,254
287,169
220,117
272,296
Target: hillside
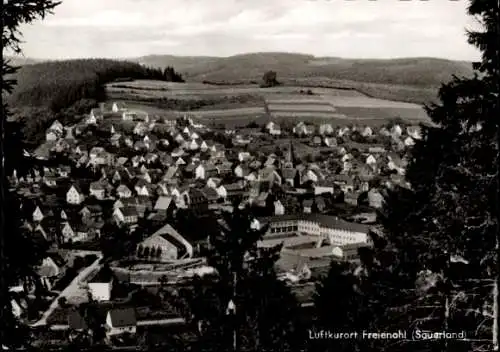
x,y
60,84
418,72
67,89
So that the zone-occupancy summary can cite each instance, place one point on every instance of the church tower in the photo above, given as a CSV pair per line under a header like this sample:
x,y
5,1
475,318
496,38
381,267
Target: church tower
x,y
289,160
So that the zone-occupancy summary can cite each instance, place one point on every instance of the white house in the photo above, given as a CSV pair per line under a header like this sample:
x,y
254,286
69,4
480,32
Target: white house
x,y
123,191
370,160
101,285
396,131
52,135
120,321
38,215
117,107
74,196
326,129
273,129
409,142
367,132
57,126
244,156
279,209
193,145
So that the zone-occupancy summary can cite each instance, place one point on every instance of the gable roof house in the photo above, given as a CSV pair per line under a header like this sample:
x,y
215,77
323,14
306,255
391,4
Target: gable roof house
x,y
164,204
101,285
204,171
273,129
126,215
74,195
38,215
326,129
120,321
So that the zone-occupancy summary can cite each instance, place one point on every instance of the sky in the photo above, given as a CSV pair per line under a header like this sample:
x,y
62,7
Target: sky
x,y
338,28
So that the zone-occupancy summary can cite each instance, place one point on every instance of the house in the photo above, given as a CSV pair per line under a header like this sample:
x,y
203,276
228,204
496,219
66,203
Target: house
x,y
57,126
375,199
414,132
123,191
204,171
195,199
343,131
330,141
367,132
126,215
324,186
301,129
316,141
164,204
115,139
409,142
273,129
326,129
396,131
210,194
166,244
141,188
91,120
67,232
345,183
76,322
244,156
230,192
74,195
279,209
224,168
38,215
370,160
101,285
307,205
118,107
193,145
214,182
48,271
98,190
52,135
120,321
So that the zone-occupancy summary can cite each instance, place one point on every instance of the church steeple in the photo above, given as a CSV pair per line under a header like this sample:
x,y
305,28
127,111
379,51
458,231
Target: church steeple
x,y
289,160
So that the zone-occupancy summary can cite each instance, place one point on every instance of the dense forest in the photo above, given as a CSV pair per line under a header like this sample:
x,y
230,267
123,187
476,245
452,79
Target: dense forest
x,y
60,84
67,89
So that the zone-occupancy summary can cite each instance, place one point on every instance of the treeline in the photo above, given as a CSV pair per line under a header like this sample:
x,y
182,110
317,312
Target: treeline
x,y
60,84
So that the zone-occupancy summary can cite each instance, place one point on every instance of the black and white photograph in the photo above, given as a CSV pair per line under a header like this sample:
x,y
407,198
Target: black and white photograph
x,y
250,176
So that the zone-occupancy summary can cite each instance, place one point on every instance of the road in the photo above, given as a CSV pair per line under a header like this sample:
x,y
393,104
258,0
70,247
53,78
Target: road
x,y
71,288
153,322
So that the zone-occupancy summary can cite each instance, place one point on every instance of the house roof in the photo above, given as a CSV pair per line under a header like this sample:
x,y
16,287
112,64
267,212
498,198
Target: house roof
x,y
163,203
324,220
123,317
76,321
129,211
210,193
102,276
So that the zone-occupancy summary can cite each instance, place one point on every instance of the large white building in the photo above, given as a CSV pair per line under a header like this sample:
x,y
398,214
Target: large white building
x,y
330,228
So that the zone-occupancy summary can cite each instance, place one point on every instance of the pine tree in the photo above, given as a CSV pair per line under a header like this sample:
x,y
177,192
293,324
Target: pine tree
x,y
245,308
15,264
450,214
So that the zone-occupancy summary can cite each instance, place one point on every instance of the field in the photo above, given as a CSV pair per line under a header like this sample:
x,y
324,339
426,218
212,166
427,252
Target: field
x,y
239,105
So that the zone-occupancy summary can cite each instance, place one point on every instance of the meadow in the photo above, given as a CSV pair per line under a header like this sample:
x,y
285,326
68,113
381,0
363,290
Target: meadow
x,y
239,105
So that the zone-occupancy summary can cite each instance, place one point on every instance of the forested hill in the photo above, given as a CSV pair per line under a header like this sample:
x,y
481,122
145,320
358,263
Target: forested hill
x,y
60,84
65,90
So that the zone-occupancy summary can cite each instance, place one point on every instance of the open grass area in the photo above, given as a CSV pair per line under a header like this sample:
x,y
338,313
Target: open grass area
x,y
239,105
